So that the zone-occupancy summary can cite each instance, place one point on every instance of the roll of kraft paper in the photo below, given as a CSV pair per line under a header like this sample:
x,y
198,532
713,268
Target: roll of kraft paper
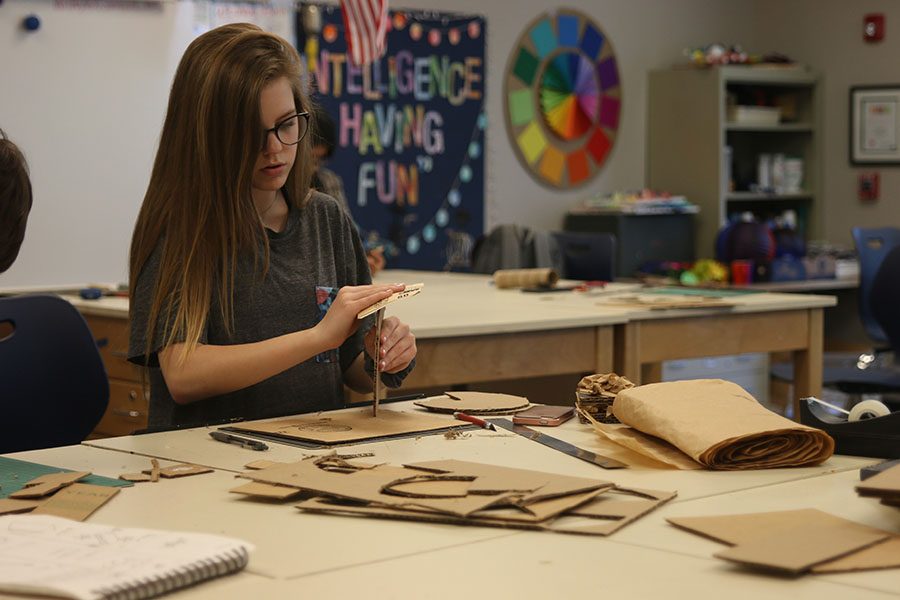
x,y
514,278
719,425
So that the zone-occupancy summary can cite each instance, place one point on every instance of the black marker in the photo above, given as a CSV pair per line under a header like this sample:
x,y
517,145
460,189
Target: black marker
x,y
221,436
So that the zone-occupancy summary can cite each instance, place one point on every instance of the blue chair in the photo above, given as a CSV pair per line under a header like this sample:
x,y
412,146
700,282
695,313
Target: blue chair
x,y
53,386
872,246
587,256
885,298
867,372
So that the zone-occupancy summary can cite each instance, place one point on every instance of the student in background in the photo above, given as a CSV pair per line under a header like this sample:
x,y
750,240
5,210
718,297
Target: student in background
x,y
327,181
245,283
15,201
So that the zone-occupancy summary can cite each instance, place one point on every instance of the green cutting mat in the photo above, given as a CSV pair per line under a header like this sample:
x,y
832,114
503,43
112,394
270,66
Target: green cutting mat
x,y
14,474
708,292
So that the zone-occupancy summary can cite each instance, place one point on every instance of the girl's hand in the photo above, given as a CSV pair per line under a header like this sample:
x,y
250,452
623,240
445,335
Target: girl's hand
x,y
398,345
340,321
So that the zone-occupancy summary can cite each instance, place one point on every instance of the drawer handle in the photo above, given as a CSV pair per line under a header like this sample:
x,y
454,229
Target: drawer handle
x,y
132,414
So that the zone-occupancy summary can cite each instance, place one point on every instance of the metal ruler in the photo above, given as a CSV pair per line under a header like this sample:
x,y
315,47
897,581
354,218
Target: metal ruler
x,y
558,444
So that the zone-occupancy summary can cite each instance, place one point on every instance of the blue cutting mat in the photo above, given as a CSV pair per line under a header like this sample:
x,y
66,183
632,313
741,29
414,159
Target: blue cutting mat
x,y
14,474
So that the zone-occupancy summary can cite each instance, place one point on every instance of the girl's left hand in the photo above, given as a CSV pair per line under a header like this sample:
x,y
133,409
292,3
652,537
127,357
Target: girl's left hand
x,y
398,345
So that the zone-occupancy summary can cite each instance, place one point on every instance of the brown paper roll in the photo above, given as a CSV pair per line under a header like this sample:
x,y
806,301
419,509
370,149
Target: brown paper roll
x,y
719,425
513,278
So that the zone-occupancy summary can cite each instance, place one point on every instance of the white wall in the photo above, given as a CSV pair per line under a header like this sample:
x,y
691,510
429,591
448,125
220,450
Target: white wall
x,y
85,97
827,35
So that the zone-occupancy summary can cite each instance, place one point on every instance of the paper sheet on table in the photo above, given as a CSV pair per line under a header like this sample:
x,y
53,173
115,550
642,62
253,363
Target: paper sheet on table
x,y
715,423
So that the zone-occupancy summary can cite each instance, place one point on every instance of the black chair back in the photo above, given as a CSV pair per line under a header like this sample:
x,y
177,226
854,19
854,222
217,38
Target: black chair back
x,y
587,256
53,386
872,245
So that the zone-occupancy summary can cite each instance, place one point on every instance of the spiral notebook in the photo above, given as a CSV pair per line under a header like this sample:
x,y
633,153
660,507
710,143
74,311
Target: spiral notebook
x,y
52,556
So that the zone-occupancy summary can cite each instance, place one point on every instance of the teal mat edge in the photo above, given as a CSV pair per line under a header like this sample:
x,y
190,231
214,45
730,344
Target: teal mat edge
x,y
15,473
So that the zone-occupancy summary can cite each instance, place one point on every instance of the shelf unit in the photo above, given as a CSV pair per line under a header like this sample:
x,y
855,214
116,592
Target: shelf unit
x,y
688,133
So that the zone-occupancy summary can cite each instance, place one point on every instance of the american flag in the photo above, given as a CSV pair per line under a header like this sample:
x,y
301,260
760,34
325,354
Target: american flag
x,y
365,27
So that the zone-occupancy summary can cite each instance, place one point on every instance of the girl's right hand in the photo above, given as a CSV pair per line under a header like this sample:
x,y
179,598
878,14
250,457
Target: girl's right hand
x,y
340,321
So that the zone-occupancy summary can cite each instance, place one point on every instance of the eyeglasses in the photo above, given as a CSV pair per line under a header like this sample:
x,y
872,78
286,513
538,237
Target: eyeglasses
x,y
289,131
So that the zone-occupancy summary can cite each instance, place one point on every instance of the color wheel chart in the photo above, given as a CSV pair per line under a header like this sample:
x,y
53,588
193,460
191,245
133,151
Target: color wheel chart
x,y
563,99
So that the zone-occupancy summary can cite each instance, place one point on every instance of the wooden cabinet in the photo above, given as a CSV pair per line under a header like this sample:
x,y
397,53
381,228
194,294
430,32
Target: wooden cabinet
x,y
129,395
705,140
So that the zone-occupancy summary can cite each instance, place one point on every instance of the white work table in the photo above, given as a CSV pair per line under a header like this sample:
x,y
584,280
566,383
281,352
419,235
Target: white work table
x,y
347,557
469,332
502,448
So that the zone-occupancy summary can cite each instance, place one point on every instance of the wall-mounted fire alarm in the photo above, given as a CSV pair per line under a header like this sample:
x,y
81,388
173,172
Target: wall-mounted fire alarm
x,y
873,27
867,187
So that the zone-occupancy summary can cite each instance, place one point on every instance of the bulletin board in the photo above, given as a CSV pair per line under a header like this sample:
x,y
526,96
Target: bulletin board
x,y
410,133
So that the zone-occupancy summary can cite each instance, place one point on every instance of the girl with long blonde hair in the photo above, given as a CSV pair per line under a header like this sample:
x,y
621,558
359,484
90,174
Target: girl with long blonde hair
x,y
244,283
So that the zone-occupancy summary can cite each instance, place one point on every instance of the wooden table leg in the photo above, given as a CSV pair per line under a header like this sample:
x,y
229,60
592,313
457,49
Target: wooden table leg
x,y
651,372
808,363
627,350
605,350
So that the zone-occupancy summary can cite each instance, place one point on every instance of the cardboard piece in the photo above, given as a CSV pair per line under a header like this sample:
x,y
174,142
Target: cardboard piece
x,y
412,289
430,486
883,555
796,541
475,403
717,424
792,553
77,501
154,470
9,506
135,477
261,464
884,485
47,484
266,490
181,470
347,427
616,509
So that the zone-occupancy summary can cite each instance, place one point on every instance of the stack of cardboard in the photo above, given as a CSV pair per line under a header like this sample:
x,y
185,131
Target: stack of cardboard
x,y
456,492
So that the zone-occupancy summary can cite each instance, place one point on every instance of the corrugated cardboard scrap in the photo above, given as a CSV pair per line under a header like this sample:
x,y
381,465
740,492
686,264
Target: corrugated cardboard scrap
x,y
798,541
475,403
714,424
885,485
462,493
77,501
347,427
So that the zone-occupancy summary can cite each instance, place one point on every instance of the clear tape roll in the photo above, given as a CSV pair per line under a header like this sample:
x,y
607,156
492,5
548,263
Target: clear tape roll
x,y
868,409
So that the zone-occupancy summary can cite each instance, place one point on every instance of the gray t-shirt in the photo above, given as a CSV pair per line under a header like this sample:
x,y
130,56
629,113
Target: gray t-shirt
x,y
319,249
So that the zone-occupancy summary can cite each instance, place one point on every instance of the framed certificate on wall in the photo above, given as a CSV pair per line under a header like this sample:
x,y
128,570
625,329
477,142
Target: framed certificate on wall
x,y
875,124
